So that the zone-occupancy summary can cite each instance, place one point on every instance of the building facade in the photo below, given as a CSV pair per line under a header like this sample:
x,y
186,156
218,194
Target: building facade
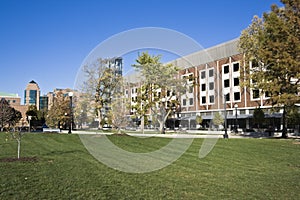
x,y
213,84
14,101
32,94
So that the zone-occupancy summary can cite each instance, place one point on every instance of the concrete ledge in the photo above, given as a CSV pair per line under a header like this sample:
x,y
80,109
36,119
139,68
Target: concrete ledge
x,y
51,130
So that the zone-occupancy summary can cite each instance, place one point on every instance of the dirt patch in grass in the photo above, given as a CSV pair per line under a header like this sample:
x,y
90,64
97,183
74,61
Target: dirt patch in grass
x,y
22,159
296,141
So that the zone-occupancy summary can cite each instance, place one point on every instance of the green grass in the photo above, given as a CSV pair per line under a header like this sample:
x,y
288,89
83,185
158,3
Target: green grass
x,y
234,169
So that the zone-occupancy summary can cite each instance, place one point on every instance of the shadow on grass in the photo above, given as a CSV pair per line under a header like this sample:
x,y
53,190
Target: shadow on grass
x,y
63,152
21,159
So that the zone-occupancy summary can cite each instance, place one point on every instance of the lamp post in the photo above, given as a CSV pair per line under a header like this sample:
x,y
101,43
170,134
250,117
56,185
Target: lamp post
x,y
2,113
71,114
179,120
236,122
22,124
29,119
225,118
174,115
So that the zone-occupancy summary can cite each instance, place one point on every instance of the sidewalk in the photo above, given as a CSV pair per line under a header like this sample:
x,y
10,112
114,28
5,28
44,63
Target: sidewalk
x,y
188,134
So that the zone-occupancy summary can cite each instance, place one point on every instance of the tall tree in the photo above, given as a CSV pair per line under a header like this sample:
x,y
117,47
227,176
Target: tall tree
x,y
8,115
272,45
32,113
17,135
59,113
4,112
102,84
160,89
82,111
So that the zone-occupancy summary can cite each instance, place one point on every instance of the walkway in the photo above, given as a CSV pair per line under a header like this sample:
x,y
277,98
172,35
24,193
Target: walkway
x,y
188,134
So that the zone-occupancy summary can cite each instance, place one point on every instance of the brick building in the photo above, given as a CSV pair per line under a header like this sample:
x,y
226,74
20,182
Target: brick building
x,y
213,78
14,101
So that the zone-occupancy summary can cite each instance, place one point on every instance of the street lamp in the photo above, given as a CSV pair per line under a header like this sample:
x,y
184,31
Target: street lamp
x,y
225,118
236,122
71,114
29,119
174,115
22,123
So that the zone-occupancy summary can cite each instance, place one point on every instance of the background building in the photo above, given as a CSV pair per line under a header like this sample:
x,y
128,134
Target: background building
x,y
213,79
32,94
15,101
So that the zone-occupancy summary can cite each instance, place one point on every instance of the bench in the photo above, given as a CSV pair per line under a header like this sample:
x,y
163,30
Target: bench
x,y
51,130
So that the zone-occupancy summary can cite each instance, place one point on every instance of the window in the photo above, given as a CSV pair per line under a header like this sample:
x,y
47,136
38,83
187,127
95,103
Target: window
x,y
254,64
255,94
184,102
136,90
212,99
191,89
25,97
211,73
211,85
226,69
237,96
132,99
242,112
14,101
236,81
191,101
203,75
126,92
227,97
226,83
168,93
32,97
132,90
203,87
168,104
267,94
236,67
191,77
203,100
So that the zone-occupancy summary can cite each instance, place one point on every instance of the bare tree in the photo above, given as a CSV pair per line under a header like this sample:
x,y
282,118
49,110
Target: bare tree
x,y
118,113
101,85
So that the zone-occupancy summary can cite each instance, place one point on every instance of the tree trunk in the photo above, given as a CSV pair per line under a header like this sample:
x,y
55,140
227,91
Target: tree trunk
x,y
99,119
161,127
19,147
163,121
119,130
143,124
284,129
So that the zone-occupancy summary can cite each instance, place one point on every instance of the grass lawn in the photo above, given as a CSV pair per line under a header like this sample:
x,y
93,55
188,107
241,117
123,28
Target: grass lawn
x,y
234,169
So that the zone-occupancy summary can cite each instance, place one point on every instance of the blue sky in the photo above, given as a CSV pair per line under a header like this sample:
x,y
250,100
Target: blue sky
x,y
47,40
